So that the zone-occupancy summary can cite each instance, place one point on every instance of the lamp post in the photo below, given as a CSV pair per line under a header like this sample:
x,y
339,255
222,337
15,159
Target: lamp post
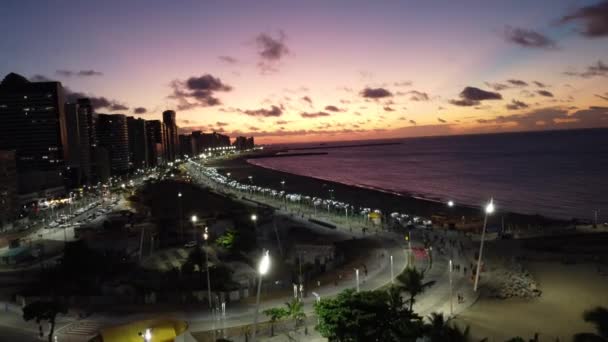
x,y
392,271
206,237
284,194
181,225
263,268
254,219
357,278
451,290
489,210
146,335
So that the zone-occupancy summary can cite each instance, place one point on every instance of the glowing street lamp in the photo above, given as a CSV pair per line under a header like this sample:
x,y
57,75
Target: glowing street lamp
x,y
263,268
489,209
147,335
450,204
194,218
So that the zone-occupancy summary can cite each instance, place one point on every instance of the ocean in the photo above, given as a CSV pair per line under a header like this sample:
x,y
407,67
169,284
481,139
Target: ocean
x,y
558,174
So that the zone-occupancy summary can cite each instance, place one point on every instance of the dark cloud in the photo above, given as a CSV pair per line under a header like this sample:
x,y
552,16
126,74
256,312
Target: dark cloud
x,y
271,50
540,84
441,120
314,115
418,95
604,97
593,19
497,86
599,69
197,91
412,122
221,124
471,96
375,93
80,73
40,78
307,99
403,118
227,59
140,110
544,93
274,111
282,122
331,108
518,83
97,102
515,105
388,109
403,84
553,118
527,38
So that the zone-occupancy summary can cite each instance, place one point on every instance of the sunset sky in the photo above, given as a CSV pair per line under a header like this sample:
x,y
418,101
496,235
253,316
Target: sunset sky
x,y
325,70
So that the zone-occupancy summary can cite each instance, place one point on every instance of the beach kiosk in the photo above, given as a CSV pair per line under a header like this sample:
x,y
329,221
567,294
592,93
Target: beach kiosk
x,y
160,330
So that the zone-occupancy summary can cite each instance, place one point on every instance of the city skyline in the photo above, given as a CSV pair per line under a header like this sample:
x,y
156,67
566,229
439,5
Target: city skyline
x,y
321,72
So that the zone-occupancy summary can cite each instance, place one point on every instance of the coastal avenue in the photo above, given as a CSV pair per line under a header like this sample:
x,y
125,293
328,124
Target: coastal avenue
x,y
436,299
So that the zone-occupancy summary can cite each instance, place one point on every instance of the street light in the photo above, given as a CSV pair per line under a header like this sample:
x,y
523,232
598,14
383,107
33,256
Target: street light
x,y
254,218
450,204
263,268
357,278
147,335
194,219
206,237
451,290
488,211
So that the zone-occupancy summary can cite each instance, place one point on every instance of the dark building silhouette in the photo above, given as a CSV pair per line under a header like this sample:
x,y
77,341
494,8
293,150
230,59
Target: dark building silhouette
x,y
156,136
203,142
78,148
243,143
32,122
138,143
172,142
112,135
87,121
8,187
185,145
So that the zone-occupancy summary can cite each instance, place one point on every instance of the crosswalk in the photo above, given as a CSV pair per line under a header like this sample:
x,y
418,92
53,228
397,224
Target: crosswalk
x,y
82,328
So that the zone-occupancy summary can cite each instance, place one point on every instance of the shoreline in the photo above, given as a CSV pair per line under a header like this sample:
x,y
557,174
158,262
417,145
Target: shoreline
x,y
240,169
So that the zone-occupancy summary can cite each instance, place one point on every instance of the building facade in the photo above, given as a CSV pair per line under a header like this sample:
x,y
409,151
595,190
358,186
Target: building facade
x,y
156,136
112,135
172,141
33,124
138,143
8,187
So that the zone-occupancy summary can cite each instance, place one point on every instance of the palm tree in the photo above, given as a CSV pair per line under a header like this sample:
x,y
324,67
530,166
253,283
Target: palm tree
x,y
440,330
599,318
275,314
44,311
295,310
412,282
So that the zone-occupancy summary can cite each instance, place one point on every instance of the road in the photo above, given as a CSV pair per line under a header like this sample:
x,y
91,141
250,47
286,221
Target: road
x,y
435,299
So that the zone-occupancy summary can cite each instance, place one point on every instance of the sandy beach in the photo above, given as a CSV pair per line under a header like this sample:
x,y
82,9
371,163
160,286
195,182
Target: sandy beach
x,y
568,290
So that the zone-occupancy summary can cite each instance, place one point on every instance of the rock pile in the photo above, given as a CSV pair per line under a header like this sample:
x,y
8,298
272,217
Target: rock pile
x,y
515,284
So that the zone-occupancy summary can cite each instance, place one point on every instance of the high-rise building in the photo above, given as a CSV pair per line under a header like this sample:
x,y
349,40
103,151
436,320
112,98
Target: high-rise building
x,y
112,134
155,131
243,143
8,187
88,139
172,139
32,122
205,141
138,143
73,173
185,145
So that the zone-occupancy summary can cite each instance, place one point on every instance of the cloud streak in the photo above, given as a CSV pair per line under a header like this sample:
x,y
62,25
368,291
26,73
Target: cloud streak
x,y
471,96
528,38
197,91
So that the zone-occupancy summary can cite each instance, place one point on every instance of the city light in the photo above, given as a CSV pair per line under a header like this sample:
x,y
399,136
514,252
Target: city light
x,y
490,207
264,265
450,204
